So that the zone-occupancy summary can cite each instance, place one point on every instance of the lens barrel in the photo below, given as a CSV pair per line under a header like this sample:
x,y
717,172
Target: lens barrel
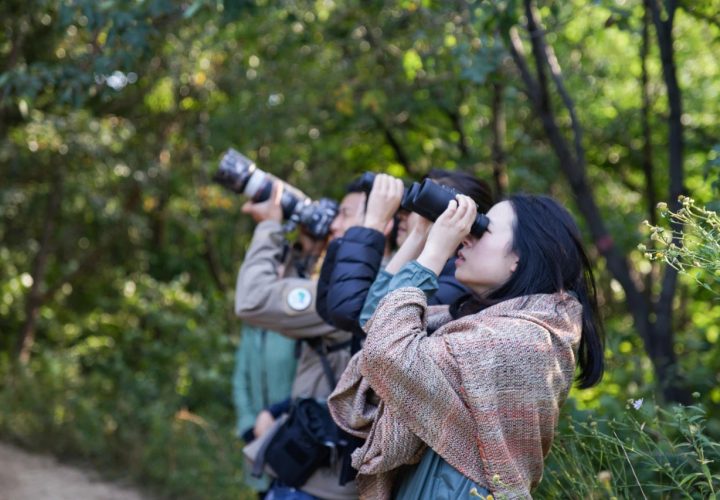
x,y
239,174
235,171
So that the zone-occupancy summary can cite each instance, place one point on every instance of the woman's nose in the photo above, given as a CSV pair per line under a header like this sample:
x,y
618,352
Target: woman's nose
x,y
467,241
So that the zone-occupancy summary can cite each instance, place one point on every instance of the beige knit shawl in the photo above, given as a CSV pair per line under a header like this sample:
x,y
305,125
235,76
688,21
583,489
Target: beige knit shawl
x,y
484,391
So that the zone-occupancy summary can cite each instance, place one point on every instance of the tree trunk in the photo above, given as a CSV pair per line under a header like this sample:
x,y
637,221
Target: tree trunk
x,y
664,308
35,297
499,130
647,152
656,335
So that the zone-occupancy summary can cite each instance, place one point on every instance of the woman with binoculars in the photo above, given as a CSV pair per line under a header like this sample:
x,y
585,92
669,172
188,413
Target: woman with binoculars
x,y
462,400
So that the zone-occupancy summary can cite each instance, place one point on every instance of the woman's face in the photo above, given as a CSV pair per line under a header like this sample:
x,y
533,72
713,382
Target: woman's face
x,y
485,263
406,223
402,228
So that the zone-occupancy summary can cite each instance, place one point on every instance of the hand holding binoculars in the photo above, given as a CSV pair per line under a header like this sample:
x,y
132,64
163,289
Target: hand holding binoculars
x,y
429,199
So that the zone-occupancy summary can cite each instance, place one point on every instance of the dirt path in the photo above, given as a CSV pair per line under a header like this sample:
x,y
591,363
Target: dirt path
x,y
24,476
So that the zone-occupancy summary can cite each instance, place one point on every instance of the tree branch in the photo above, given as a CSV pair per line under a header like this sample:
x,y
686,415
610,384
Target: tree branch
x,y
400,154
517,52
556,72
499,129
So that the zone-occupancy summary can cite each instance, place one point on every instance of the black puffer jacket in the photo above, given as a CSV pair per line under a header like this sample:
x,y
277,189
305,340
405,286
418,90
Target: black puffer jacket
x,y
350,267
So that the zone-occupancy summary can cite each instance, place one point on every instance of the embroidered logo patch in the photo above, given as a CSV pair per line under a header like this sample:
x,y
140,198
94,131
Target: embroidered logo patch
x,y
299,299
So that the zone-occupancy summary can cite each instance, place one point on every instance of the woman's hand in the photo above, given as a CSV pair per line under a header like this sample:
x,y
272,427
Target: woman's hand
x,y
447,233
383,202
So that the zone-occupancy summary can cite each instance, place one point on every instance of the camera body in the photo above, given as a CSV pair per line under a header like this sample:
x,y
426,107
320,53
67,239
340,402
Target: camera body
x,y
239,174
429,199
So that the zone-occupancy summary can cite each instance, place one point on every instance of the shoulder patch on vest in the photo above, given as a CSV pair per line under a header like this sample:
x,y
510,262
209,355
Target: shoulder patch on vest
x,y
299,299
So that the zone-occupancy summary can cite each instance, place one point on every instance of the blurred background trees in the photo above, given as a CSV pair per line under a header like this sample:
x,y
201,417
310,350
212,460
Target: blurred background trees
x,y
118,254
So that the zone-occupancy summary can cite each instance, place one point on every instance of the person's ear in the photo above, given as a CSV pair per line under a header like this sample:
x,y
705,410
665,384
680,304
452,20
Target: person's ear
x,y
514,264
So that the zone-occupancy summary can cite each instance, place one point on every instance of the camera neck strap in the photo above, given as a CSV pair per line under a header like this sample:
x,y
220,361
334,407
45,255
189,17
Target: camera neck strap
x,y
322,350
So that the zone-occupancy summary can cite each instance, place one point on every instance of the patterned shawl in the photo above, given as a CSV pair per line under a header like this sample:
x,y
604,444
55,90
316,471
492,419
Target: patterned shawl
x,y
484,391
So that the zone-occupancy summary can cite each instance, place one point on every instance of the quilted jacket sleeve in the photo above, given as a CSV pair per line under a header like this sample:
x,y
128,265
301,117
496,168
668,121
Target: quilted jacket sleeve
x,y
357,261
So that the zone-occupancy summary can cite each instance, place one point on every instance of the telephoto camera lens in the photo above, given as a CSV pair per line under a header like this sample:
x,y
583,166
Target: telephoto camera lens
x,y
239,174
235,171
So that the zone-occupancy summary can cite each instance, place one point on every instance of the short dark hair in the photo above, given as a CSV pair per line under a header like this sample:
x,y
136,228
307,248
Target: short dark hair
x,y
551,259
466,184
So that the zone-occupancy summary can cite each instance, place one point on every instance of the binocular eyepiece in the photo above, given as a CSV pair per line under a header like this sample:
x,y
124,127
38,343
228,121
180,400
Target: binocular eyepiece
x,y
240,175
429,199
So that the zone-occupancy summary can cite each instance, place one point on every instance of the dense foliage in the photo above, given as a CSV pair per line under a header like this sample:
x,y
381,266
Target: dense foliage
x,y
118,254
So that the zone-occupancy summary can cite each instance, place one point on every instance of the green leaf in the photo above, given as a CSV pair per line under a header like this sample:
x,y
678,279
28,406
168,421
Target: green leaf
x,y
412,63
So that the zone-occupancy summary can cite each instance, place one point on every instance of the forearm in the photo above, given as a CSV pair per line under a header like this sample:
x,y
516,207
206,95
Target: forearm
x,y
260,266
412,274
377,291
282,313
393,333
409,370
408,251
357,262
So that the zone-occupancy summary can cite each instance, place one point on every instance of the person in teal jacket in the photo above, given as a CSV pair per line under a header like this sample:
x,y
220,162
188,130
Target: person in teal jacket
x,y
433,477
264,372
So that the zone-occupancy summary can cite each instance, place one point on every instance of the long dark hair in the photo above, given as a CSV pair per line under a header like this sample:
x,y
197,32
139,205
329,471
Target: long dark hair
x,y
551,259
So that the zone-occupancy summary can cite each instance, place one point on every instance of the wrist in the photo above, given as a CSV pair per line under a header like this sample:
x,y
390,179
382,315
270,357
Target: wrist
x,y
375,224
417,236
432,259
276,217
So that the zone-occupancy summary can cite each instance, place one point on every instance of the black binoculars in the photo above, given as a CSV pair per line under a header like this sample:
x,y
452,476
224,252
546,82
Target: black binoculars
x,y
428,199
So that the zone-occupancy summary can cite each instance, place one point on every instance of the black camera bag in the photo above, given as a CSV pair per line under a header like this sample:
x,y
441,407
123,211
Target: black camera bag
x,y
303,444
308,439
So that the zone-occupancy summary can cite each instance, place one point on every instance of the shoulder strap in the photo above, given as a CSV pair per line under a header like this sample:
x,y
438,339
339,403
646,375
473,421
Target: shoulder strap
x,y
318,346
322,350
